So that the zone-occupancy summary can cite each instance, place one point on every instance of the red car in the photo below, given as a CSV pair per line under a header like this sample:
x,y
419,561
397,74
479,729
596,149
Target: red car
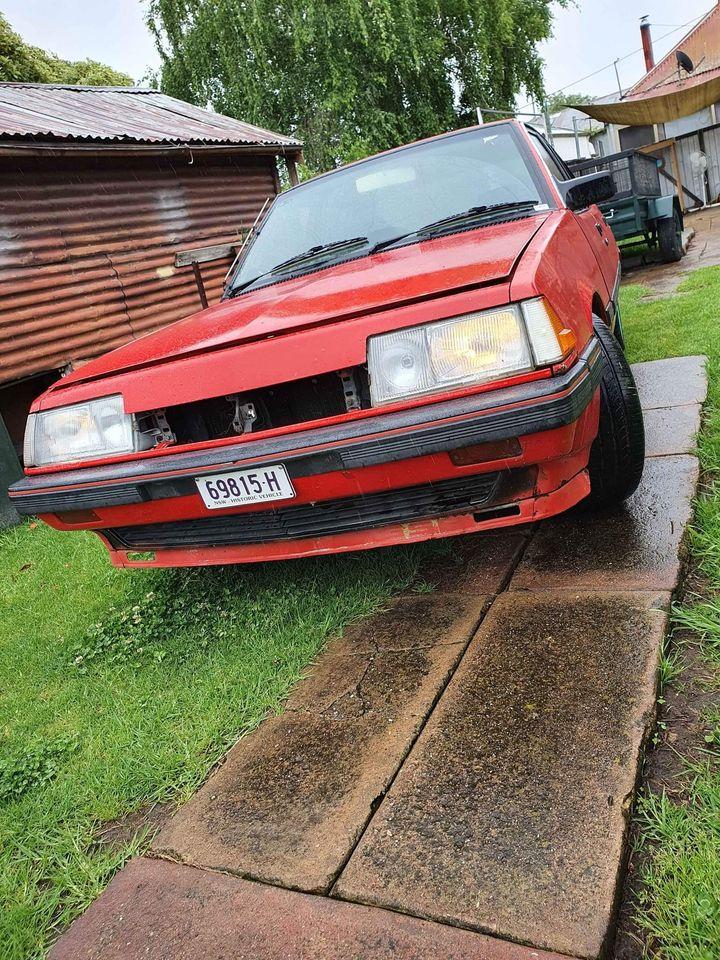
x,y
421,344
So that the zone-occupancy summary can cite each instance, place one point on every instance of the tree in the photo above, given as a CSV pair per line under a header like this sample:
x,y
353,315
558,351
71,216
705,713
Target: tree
x,y
22,63
556,101
350,77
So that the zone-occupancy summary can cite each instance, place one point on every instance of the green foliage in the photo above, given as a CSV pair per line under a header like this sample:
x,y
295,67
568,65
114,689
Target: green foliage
x,y
33,766
353,76
21,62
556,101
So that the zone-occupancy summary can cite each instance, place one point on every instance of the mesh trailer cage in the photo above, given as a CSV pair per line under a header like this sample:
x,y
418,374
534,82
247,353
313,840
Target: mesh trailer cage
x,y
634,173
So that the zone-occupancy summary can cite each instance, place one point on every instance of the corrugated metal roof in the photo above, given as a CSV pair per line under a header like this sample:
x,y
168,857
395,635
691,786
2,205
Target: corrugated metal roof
x,y
120,114
701,44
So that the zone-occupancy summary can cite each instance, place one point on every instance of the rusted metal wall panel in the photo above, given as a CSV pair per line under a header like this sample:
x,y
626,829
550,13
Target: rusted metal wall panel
x,y
87,249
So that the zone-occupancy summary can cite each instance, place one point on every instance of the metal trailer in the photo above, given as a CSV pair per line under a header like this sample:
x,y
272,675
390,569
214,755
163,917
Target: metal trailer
x,y
638,209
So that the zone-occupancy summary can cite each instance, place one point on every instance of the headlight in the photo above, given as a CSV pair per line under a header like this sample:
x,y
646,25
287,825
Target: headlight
x,y
473,348
82,431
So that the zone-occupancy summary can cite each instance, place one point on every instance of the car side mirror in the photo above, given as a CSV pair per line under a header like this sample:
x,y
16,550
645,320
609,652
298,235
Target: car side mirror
x,y
584,191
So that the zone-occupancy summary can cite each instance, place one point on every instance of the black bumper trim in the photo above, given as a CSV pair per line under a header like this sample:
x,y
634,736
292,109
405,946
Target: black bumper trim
x,y
533,407
349,514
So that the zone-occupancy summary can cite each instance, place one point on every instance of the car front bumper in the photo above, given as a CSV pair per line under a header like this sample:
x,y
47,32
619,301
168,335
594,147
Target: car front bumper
x,y
383,479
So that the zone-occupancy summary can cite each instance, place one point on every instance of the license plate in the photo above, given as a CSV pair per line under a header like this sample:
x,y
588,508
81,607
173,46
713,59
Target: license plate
x,y
245,486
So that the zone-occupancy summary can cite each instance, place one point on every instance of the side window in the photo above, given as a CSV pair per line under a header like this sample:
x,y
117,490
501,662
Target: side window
x,y
554,164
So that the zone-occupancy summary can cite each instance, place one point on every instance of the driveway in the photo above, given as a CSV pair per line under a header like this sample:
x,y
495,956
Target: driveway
x,y
454,776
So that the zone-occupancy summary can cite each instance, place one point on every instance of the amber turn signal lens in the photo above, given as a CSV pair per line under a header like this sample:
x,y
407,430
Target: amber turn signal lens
x,y
551,340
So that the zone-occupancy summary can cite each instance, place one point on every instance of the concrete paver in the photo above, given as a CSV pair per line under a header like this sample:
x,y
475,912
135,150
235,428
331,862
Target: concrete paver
x,y
480,563
290,801
154,910
671,383
509,814
671,430
634,547
412,621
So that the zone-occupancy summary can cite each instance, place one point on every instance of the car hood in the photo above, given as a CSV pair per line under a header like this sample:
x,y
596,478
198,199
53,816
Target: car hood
x,y
383,281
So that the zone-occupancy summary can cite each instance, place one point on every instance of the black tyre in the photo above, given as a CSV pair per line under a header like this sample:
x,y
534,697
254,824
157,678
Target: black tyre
x,y
669,233
618,453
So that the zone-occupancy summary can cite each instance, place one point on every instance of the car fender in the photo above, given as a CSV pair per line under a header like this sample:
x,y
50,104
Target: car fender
x,y
560,265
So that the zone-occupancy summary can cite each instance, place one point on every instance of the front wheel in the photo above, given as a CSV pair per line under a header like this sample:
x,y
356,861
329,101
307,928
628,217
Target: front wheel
x,y
618,452
669,233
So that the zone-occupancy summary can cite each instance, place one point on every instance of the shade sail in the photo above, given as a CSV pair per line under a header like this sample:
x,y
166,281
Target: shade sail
x,y
672,101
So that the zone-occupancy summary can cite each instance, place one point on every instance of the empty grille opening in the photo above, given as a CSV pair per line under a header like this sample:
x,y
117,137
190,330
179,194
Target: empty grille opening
x,y
300,401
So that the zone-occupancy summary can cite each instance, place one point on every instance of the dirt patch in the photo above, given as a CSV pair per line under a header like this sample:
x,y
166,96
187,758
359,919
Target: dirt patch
x,y
148,820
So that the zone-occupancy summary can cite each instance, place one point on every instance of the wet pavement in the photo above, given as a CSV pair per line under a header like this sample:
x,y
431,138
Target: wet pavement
x,y
455,775
288,806
171,912
663,279
517,828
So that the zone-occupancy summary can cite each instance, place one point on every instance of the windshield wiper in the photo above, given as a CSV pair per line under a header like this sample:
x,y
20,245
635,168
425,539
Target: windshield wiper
x,y
438,226
313,253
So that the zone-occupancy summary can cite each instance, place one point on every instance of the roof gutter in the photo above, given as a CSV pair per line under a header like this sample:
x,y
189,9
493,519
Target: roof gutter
x,y
9,148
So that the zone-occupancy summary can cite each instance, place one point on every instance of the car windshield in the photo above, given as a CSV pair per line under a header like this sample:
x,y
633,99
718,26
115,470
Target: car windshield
x,y
346,213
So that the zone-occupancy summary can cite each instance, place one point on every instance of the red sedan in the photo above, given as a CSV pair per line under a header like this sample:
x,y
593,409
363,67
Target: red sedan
x,y
421,344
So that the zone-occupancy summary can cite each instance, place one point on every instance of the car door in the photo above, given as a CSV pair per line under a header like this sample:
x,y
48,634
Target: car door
x,y
591,220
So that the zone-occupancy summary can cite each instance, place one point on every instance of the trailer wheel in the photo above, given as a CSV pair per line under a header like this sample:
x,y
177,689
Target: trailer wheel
x,y
670,238
617,455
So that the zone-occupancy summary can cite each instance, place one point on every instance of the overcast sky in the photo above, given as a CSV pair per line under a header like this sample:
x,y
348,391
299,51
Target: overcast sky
x,y
588,36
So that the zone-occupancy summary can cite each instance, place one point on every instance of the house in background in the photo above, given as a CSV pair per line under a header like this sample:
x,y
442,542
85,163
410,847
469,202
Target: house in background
x,y
122,209
571,131
673,112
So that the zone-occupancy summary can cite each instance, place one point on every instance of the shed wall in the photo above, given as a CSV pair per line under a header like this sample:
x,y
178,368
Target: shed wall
x,y
87,248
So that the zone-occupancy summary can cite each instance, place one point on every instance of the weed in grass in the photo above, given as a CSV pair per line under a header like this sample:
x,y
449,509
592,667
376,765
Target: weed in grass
x,y
24,767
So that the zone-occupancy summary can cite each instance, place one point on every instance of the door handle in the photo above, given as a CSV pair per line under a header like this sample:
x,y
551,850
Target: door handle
x,y
598,227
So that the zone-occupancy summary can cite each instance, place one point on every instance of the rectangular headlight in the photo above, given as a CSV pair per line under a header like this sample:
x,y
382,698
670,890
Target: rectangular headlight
x,y
81,431
470,349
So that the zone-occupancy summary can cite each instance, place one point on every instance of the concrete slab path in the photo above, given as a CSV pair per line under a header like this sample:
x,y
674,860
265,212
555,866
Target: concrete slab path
x,y
156,910
444,772
509,814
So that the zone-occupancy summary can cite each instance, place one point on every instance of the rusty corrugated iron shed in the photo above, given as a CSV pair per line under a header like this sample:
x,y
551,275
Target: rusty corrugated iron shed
x,y
100,188
129,115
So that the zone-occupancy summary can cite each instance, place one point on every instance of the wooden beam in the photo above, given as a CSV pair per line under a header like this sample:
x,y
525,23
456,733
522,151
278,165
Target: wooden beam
x,y
677,171
219,251
200,285
292,170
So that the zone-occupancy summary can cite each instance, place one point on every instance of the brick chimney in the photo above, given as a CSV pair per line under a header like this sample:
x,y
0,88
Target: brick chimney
x,y
647,44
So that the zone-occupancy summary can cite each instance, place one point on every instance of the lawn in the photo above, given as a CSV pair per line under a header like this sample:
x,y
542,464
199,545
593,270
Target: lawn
x,y
122,688
679,909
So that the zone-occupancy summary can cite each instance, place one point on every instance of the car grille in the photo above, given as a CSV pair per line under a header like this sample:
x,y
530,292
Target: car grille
x,y
461,495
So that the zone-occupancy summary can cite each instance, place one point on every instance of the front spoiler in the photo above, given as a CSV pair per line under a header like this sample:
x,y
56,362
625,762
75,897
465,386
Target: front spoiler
x,y
479,418
528,510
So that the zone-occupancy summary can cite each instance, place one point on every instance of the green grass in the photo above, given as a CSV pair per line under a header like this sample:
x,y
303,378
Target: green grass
x,y
122,688
679,906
